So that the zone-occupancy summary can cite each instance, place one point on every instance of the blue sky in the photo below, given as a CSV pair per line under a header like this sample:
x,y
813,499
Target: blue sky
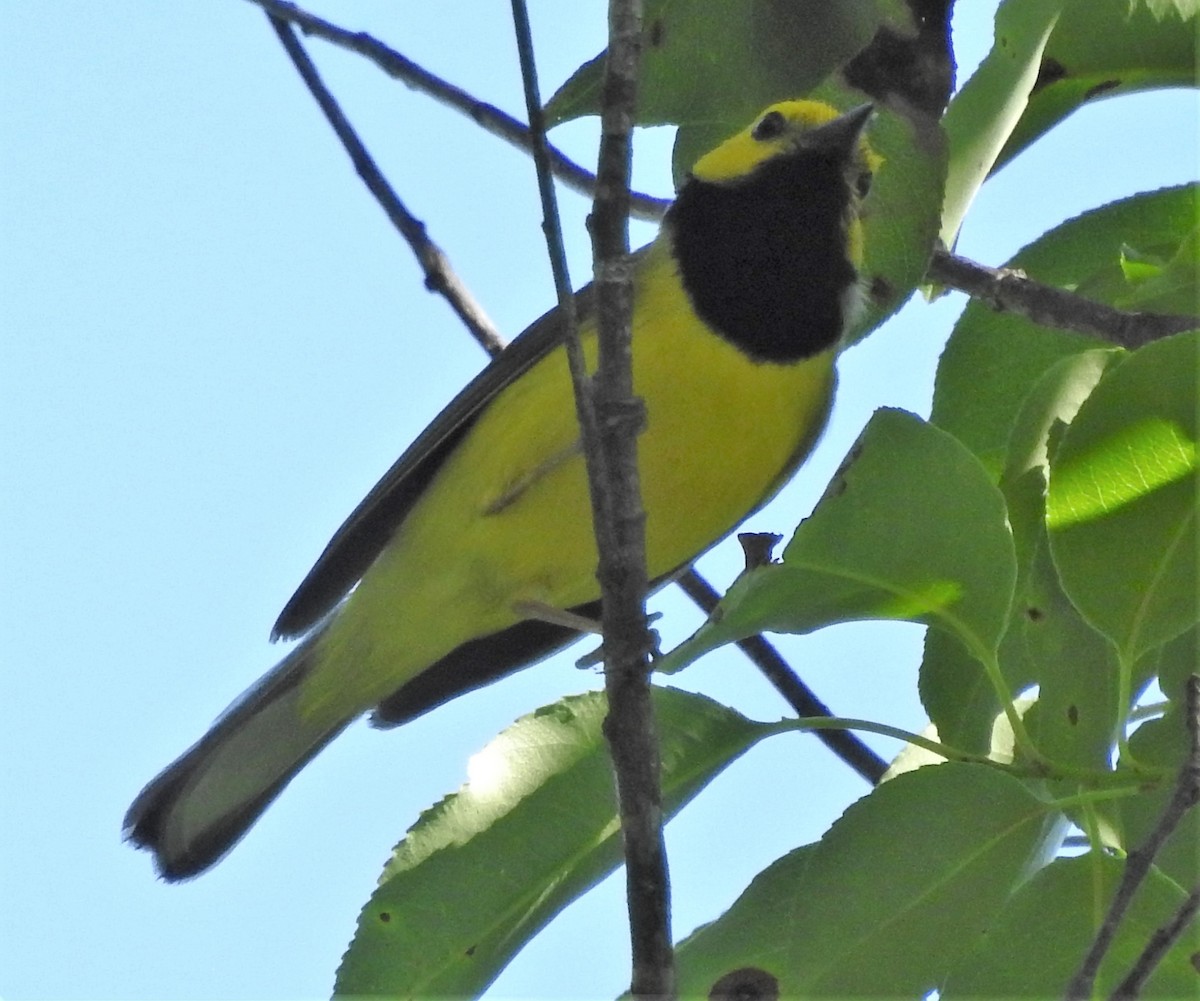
x,y
213,344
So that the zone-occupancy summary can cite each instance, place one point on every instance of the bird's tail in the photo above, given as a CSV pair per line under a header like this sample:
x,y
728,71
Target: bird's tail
x,y
199,807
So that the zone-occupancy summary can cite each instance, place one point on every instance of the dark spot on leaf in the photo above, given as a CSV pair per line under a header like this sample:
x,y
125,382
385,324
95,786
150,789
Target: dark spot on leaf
x,y
470,951
1034,614
1101,88
747,984
880,290
657,33
1073,715
1050,71
1194,959
385,916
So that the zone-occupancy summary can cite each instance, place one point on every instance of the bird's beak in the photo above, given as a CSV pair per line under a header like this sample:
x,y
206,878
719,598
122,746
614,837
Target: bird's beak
x,y
842,134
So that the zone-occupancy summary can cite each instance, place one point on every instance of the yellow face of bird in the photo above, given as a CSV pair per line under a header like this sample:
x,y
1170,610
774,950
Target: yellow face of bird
x,y
807,134
779,130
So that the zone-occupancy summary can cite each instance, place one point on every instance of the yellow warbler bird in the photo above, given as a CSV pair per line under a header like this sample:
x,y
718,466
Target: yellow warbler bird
x,y
428,589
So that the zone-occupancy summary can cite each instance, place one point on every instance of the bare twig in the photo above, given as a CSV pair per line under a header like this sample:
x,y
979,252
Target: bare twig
x,y
1012,291
845,744
439,276
1162,940
487,116
630,726
1139,861
609,420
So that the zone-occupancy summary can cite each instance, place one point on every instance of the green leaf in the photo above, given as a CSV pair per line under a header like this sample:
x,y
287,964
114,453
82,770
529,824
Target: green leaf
x,y
1179,659
1160,743
881,906
534,827
1041,935
1078,711
1173,286
1186,9
902,212
992,359
1052,403
1100,49
957,694
911,528
1075,718
1122,501
711,63
987,109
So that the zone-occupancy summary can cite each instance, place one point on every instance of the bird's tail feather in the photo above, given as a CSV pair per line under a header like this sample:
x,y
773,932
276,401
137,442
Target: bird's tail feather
x,y
198,808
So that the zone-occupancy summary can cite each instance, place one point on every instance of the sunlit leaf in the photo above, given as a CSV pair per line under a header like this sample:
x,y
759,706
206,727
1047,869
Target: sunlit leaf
x,y
1122,504
534,827
993,359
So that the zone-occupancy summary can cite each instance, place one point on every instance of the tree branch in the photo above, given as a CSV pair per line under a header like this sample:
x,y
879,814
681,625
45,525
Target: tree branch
x,y
610,417
1011,291
803,700
630,726
1139,861
487,116
1162,940
439,275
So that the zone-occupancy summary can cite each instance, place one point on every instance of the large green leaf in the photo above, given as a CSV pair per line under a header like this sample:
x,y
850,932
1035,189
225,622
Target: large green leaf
x,y
1102,48
714,63
1122,503
899,886
1075,718
1038,645
992,359
987,109
1041,935
911,528
534,827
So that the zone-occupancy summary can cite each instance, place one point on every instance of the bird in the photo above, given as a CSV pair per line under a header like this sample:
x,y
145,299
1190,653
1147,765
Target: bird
x,y
440,580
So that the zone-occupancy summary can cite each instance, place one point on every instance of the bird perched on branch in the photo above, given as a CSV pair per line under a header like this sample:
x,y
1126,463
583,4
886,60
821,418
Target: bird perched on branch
x,y
449,573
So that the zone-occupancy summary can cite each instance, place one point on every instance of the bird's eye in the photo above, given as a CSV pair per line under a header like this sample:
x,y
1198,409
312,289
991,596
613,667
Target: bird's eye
x,y
862,184
769,126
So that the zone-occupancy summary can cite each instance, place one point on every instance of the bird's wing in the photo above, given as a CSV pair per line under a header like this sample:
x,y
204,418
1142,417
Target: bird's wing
x,y
367,531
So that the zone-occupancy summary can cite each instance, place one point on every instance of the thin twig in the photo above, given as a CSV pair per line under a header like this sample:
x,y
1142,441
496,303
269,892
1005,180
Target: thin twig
x,y
487,116
609,420
1139,861
845,744
1011,291
439,276
1160,942
630,725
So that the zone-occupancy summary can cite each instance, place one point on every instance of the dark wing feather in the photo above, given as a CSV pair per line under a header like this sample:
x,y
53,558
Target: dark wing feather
x,y
477,663
371,526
